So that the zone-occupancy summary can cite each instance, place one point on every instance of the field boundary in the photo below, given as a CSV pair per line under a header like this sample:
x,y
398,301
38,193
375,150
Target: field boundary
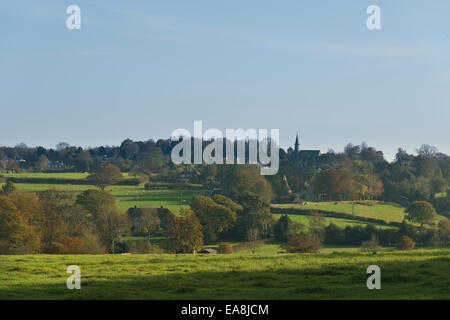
x,y
125,182
332,214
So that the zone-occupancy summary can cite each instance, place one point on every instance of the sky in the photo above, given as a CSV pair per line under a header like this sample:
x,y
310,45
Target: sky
x,y
141,69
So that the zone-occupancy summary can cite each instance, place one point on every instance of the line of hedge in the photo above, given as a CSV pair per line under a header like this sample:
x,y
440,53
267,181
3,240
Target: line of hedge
x,y
332,214
172,186
126,182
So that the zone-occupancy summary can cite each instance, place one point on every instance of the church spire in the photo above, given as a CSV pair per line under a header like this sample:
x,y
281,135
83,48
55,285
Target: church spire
x,y
297,144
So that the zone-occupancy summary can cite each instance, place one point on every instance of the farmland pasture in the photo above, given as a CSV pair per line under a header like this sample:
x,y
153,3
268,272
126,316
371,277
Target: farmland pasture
x,y
342,223
370,209
417,274
127,196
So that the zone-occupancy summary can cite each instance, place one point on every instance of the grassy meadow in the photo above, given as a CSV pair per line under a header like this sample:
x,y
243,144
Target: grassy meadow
x,y
418,274
371,209
130,196
267,273
337,221
126,196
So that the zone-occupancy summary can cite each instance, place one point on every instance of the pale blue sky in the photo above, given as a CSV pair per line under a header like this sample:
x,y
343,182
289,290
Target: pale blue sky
x,y
140,69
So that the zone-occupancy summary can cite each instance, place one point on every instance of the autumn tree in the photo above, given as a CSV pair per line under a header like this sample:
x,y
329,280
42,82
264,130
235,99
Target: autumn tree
x,y
105,175
309,243
405,243
337,183
53,225
16,235
185,235
12,166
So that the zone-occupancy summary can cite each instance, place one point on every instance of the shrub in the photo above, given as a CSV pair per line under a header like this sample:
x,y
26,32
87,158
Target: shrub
x,y
405,243
225,247
298,243
69,245
9,187
371,246
140,246
92,244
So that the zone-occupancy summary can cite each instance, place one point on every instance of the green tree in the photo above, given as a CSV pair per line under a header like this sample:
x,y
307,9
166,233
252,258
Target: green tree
x,y
83,161
42,162
215,218
255,214
128,149
110,226
152,161
317,224
227,202
283,229
105,175
421,212
238,179
93,200
8,187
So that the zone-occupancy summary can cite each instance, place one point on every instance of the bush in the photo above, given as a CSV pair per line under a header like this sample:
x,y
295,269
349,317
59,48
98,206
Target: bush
x,y
405,243
92,244
119,247
140,246
69,245
371,246
225,247
298,243
9,187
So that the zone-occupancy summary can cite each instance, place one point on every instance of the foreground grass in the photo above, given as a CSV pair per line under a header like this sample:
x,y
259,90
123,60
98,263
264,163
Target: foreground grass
x,y
418,274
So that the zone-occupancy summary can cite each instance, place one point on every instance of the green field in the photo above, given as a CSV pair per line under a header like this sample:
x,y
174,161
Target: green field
x,y
337,221
52,175
417,274
128,196
373,209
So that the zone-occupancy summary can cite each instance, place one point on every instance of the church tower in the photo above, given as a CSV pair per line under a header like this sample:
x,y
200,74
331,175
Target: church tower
x,y
297,145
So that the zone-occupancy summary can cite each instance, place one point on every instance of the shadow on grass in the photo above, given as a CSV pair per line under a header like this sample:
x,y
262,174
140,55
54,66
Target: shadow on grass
x,y
426,279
